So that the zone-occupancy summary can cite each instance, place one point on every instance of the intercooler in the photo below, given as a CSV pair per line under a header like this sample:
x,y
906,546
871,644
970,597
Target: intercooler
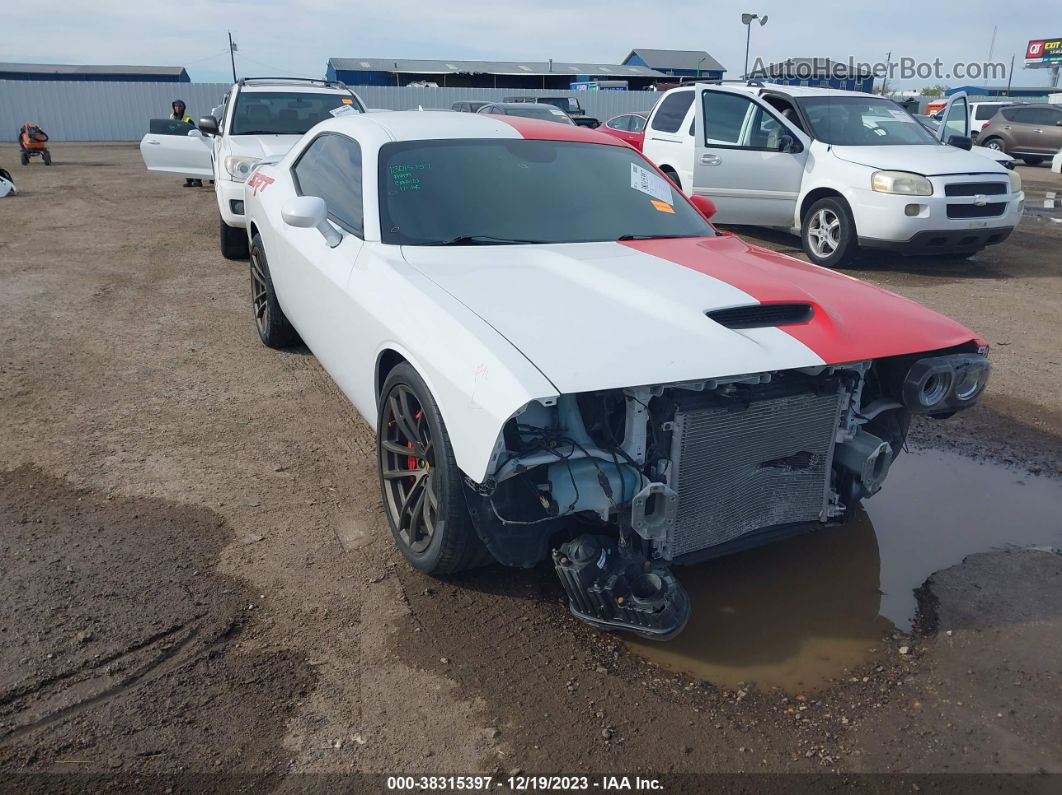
x,y
740,466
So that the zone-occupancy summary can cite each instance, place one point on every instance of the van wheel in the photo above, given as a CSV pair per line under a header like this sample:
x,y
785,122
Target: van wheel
x,y
828,233
233,241
420,482
672,175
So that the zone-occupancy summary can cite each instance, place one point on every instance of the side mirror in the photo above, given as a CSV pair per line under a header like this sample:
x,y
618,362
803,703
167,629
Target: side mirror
x,y
1058,123
704,205
311,212
960,141
208,125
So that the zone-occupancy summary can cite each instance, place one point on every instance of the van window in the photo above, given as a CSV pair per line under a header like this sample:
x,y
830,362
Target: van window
x,y
672,111
735,121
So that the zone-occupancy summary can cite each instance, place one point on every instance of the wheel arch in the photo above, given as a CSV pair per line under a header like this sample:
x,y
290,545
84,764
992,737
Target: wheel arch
x,y
814,195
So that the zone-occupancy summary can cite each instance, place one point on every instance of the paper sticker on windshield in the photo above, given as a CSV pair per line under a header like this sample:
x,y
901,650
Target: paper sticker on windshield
x,y
902,115
342,110
649,182
347,101
662,207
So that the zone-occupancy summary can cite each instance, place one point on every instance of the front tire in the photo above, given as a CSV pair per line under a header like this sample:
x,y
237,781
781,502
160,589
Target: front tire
x,y
273,327
233,241
828,233
23,158
420,482
47,156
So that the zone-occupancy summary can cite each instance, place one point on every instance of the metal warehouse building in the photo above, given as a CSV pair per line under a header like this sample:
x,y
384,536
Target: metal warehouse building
x,y
677,63
818,72
127,74
553,75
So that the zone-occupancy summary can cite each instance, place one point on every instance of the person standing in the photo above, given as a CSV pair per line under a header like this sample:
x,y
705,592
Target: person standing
x,y
180,114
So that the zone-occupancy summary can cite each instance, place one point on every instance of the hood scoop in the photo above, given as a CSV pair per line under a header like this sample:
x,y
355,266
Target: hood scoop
x,y
763,315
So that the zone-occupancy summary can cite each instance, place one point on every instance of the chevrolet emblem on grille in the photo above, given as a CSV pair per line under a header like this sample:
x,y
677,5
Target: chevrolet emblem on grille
x,y
980,200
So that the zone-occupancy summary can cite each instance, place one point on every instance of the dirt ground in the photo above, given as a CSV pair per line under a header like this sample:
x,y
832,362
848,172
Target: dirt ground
x,y
196,575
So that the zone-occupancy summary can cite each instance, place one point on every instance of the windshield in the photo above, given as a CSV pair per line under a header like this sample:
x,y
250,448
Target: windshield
x,y
863,121
495,191
285,113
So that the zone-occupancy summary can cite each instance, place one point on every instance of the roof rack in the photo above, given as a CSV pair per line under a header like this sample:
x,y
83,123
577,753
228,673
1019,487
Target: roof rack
x,y
319,81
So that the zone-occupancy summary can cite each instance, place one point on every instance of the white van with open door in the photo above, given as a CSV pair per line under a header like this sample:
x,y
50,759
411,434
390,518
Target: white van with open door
x,y
842,169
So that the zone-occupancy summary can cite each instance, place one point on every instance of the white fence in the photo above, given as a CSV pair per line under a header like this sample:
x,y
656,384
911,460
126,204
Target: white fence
x,y
101,111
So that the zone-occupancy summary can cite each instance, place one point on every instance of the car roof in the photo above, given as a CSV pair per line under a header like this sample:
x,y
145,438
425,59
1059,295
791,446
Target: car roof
x,y
414,125
794,91
523,105
294,88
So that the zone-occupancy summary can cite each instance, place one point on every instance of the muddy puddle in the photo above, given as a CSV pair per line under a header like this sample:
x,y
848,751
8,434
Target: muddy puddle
x,y
798,613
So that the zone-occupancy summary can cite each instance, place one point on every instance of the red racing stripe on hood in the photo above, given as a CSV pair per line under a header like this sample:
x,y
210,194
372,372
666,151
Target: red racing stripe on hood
x,y
853,320
538,130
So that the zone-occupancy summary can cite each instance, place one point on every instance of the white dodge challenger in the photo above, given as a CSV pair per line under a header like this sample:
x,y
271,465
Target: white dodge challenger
x,y
563,358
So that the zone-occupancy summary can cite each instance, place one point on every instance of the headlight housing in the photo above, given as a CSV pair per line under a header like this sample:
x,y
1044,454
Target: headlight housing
x,y
239,167
902,182
1015,181
942,385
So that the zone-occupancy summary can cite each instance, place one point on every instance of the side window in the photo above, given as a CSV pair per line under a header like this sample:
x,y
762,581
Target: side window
x,y
672,111
1022,116
330,168
621,123
738,122
1045,116
637,123
957,120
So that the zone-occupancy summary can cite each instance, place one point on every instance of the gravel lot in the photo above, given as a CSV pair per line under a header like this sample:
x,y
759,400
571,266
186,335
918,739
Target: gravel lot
x,y
196,576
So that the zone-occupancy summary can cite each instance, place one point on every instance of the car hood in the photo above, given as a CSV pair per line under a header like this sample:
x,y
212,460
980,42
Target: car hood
x,y
261,146
928,160
607,315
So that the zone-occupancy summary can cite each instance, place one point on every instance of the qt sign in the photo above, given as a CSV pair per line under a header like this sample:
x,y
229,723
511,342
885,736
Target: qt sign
x,y
1044,51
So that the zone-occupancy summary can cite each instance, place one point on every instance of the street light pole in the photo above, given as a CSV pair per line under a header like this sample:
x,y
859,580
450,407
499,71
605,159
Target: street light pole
x,y
746,20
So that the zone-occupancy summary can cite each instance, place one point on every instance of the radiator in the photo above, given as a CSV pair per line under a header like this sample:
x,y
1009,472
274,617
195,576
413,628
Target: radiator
x,y
739,469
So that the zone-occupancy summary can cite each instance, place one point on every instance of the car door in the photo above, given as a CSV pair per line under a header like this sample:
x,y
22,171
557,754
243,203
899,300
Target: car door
x,y
175,147
955,117
312,277
666,141
1043,132
748,160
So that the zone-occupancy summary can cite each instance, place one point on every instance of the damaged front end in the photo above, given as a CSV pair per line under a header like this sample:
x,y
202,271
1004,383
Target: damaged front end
x,y
618,485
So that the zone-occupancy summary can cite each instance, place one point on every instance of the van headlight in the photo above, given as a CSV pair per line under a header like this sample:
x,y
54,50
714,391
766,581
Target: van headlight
x,y
902,182
239,168
1015,181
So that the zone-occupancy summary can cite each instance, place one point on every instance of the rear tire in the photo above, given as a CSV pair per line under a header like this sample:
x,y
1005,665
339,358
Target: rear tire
x,y
233,241
273,327
47,157
24,158
828,233
994,143
672,175
426,509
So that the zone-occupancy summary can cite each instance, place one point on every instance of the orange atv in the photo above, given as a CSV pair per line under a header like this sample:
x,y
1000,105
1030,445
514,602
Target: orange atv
x,y
33,141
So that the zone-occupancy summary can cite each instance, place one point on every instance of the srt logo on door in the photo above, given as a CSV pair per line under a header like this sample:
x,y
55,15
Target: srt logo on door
x,y
258,182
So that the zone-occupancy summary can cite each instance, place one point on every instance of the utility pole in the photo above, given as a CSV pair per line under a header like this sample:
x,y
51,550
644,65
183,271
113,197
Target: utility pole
x,y
232,56
1010,74
885,79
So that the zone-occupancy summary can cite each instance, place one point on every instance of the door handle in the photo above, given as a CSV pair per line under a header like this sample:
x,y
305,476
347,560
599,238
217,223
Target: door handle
x,y
1038,131
154,143
711,160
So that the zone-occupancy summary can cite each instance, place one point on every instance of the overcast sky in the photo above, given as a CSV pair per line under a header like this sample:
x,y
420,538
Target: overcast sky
x,y
297,37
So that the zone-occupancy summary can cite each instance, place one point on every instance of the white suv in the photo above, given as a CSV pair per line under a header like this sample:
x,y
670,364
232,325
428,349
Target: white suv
x,y
842,169
262,117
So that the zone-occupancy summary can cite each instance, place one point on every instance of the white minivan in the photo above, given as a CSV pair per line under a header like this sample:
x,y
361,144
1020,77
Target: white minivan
x,y
842,169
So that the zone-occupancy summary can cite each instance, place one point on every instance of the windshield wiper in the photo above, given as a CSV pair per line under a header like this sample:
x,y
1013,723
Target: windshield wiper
x,y
653,237
481,240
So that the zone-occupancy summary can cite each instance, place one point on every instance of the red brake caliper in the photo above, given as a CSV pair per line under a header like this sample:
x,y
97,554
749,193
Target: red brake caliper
x,y
411,460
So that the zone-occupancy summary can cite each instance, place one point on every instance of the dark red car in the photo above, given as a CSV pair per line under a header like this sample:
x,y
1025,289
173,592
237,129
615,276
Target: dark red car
x,y
629,127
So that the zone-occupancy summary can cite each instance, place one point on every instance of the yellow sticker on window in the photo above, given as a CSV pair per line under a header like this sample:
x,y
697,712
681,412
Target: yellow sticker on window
x,y
347,101
662,207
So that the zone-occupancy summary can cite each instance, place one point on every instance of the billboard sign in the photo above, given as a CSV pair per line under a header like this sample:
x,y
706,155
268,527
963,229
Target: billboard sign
x,y
1044,52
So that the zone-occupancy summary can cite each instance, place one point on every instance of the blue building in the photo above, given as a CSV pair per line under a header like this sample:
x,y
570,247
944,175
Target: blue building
x,y
552,75
816,72
677,63
1002,91
127,74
